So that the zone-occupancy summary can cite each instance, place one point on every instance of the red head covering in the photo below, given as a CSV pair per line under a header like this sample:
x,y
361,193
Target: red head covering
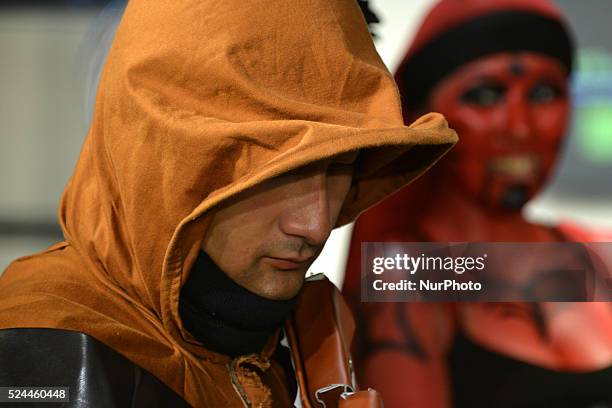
x,y
488,27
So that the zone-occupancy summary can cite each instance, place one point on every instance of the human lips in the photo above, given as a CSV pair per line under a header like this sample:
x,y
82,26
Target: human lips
x,y
288,263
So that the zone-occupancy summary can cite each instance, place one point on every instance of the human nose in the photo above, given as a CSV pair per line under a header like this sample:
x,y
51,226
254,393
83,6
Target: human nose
x,y
517,120
308,214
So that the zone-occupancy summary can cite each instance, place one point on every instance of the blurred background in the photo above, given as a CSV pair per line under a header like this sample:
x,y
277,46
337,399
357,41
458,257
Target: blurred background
x,y
51,53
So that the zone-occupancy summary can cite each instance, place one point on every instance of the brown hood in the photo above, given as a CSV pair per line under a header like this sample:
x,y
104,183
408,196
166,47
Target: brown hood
x,y
200,100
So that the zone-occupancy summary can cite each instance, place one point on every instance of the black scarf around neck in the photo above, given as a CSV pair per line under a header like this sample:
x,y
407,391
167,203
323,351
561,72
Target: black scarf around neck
x,y
224,316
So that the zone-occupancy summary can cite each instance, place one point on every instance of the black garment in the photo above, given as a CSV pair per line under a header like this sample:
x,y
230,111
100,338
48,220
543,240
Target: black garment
x,y
224,316
97,376
484,378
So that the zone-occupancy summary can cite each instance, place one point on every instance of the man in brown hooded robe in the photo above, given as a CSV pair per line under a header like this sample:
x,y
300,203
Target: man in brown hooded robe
x,y
228,139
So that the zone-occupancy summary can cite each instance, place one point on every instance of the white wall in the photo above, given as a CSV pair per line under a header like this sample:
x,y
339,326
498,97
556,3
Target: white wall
x,y
41,118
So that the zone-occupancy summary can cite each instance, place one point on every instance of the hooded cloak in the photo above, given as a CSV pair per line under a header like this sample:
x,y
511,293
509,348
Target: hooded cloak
x,y
198,101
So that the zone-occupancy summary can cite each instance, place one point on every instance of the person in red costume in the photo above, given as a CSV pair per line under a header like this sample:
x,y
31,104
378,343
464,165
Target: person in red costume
x,y
498,70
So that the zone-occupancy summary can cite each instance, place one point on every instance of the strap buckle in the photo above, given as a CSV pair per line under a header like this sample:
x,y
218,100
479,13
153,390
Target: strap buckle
x,y
347,390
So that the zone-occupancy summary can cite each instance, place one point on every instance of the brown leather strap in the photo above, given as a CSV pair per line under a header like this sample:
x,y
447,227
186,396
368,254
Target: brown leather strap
x,y
320,335
300,372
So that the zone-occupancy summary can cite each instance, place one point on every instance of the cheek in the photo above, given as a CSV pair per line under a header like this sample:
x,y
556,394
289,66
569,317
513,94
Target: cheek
x,y
338,186
230,243
550,124
477,127
550,121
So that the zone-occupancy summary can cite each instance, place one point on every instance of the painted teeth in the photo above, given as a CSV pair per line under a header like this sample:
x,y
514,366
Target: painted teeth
x,y
515,166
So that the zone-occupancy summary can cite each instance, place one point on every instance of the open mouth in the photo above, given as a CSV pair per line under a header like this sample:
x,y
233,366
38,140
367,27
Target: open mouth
x,y
516,166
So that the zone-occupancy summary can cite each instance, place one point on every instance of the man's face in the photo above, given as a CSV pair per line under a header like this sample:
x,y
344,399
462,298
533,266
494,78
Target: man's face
x,y
510,111
266,238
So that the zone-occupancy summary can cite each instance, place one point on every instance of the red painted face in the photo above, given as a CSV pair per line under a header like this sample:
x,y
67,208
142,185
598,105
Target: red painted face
x,y
510,111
